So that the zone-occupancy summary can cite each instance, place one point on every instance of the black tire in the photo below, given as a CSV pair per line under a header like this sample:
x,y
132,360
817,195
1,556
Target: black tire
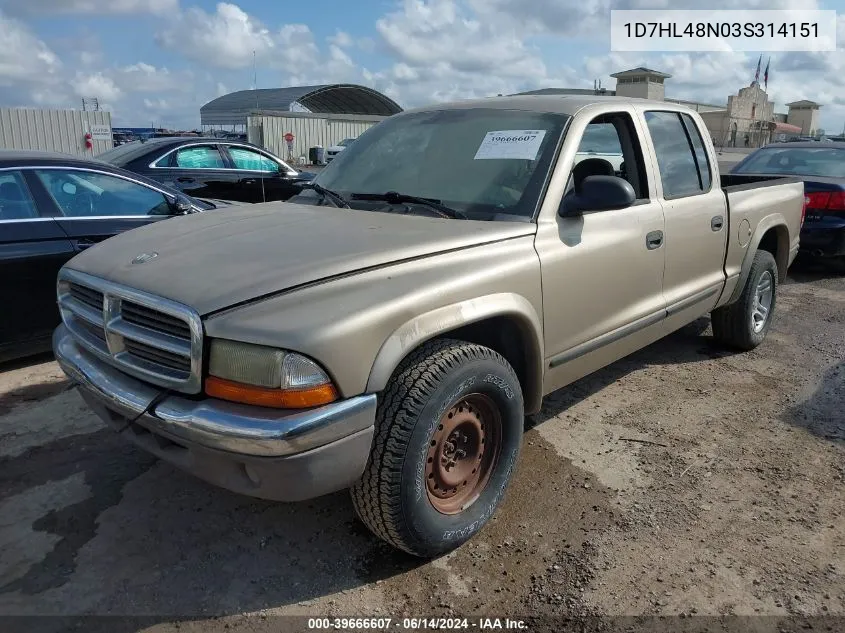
x,y
732,324
394,497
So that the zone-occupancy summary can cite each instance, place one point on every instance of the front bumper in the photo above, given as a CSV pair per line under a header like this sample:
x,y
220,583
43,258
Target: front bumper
x,y
267,453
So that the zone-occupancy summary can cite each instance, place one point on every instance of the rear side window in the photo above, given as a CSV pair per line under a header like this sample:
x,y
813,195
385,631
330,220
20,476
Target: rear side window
x,y
15,202
199,157
252,161
700,153
675,157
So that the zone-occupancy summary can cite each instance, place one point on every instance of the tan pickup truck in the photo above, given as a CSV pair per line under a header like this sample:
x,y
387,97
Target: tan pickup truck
x,y
388,329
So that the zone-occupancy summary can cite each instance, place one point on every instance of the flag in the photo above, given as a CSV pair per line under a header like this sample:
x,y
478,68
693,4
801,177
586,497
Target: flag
x,y
757,74
766,74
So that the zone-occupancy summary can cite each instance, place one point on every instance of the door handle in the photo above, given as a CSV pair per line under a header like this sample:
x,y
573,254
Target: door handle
x,y
249,181
717,223
184,179
654,240
84,243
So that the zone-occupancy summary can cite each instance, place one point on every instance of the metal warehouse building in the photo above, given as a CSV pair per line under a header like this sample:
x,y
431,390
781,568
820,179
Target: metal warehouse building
x,y
55,130
315,115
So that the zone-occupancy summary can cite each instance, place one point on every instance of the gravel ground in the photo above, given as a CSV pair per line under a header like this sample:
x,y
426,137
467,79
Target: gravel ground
x,y
683,480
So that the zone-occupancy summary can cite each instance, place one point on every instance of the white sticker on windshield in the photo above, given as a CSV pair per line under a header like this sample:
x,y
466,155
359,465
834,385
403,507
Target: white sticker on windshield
x,y
519,144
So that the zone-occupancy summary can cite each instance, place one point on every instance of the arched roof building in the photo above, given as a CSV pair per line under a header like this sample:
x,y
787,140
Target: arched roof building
x,y
234,108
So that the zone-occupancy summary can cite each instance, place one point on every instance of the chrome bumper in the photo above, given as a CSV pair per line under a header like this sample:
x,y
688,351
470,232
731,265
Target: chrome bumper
x,y
240,447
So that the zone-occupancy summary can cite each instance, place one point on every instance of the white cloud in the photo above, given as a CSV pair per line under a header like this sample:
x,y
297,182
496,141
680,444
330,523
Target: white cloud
x,y
97,85
23,57
420,51
226,38
342,39
92,7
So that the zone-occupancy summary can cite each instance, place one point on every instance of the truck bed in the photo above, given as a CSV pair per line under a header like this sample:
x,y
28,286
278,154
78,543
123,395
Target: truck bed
x,y
754,201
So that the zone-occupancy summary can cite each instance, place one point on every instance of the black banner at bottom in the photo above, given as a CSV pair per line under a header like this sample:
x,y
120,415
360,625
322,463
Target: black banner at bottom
x,y
403,624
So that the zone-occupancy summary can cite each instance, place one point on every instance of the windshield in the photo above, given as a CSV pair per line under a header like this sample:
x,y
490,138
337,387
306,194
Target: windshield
x,y
479,161
798,161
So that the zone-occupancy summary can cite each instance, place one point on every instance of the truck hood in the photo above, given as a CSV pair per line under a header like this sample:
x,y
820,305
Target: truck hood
x,y
211,261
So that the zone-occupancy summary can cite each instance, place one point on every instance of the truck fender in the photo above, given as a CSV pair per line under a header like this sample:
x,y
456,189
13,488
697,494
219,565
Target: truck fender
x,y
440,321
774,221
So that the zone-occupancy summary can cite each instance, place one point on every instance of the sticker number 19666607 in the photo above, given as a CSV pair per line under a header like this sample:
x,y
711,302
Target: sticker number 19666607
x,y
513,144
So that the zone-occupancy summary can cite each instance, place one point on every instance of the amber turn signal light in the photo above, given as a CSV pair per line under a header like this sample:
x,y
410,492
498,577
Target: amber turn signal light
x,y
266,397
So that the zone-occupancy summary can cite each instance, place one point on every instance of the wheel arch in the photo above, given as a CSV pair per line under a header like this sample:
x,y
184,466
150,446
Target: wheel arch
x,y
505,322
772,235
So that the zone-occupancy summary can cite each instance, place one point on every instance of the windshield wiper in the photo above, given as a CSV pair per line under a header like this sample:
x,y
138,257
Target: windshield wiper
x,y
339,200
393,197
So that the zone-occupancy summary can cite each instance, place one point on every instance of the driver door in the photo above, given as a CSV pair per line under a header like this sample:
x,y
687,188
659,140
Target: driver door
x,y
91,206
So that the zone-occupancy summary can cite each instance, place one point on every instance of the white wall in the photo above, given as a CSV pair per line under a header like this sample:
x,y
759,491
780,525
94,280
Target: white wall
x,y
269,132
51,130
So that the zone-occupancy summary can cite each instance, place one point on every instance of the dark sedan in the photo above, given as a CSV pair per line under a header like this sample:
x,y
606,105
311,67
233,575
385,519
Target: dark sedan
x,y
822,168
211,168
52,206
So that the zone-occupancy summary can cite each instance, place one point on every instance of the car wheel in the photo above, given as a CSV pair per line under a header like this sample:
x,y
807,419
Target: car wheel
x,y
448,434
744,324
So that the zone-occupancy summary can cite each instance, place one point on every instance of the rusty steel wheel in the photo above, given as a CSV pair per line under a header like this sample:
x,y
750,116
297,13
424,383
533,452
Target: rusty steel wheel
x,y
434,479
463,452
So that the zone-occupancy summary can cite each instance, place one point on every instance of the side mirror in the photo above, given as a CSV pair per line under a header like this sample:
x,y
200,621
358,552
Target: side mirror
x,y
182,206
598,193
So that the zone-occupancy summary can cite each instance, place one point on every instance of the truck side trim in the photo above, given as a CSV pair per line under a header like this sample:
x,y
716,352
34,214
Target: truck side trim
x,y
446,319
606,339
632,328
698,297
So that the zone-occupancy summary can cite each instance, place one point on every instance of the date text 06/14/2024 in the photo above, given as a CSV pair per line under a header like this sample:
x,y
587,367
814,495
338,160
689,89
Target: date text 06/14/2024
x,y
415,624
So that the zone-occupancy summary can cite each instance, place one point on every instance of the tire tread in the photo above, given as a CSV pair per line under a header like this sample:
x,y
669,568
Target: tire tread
x,y
376,496
730,322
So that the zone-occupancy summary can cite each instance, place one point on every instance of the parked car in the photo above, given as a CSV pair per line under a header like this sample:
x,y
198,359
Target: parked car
x,y
334,150
393,345
211,168
822,169
53,206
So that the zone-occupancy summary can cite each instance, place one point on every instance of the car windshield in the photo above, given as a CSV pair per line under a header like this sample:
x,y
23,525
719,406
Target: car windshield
x,y
479,161
797,161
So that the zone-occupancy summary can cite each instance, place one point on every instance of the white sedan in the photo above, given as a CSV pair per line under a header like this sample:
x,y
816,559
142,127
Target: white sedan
x,y
334,150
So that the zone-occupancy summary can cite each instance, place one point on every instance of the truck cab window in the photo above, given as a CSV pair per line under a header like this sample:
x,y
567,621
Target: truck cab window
x,y
678,164
609,147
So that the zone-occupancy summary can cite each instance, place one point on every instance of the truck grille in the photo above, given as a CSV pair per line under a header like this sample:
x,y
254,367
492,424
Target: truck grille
x,y
149,337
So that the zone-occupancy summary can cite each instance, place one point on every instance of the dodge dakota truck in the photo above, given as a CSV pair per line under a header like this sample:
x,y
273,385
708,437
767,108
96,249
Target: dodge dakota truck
x,y
391,329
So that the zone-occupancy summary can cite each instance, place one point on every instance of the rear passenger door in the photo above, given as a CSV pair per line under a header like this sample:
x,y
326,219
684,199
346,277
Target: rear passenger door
x,y
32,249
201,171
263,178
695,211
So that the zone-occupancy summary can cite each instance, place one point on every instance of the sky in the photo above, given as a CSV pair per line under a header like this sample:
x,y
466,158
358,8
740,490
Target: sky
x,y
156,62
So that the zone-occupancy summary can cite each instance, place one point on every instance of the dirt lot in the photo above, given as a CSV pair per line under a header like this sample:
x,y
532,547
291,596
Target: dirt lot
x,y
682,480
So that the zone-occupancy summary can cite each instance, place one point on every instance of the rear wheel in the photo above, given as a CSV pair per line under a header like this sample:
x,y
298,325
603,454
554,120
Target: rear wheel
x,y
448,434
744,324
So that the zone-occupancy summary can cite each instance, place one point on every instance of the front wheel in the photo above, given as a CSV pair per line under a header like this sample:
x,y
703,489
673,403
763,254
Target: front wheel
x,y
744,324
448,434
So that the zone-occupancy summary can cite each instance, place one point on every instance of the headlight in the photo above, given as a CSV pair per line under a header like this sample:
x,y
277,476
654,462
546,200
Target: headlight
x,y
266,376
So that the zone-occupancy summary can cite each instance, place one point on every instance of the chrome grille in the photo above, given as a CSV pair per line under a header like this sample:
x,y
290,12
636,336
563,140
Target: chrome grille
x,y
145,317
149,337
88,296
